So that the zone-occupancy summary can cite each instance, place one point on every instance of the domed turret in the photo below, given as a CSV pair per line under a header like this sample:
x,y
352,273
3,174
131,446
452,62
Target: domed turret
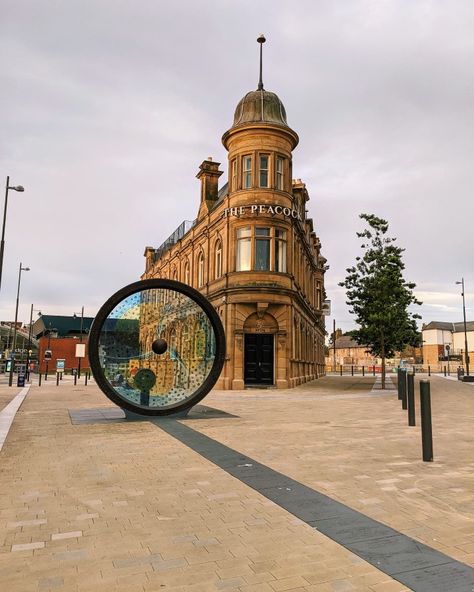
x,y
260,106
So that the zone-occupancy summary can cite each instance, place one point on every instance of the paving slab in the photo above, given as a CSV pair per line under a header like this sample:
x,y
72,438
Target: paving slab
x,y
161,516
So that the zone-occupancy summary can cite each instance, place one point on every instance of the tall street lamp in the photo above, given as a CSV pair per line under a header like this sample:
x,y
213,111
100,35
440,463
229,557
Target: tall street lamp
x,y
80,339
12,361
2,244
30,334
466,349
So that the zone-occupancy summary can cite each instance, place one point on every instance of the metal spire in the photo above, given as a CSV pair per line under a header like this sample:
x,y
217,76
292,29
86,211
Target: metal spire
x,y
261,40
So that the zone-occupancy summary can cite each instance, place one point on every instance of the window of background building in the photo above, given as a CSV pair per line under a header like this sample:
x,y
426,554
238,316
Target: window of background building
x,y
218,260
201,269
279,173
234,174
186,273
263,170
247,172
244,251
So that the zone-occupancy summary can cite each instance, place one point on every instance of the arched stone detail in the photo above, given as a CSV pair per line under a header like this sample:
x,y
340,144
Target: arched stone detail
x,y
256,323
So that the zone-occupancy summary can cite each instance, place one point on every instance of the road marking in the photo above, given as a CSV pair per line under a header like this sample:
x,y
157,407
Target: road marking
x,y
7,415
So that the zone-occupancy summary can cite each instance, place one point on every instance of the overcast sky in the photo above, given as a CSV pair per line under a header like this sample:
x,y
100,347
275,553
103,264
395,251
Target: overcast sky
x,y
109,107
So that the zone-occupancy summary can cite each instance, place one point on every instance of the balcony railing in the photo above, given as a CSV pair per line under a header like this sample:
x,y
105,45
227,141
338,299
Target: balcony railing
x,y
173,238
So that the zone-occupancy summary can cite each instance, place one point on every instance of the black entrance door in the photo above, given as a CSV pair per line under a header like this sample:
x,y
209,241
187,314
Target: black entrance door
x,y
258,358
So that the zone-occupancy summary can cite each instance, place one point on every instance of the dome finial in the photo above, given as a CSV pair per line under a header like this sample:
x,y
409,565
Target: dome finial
x,y
261,40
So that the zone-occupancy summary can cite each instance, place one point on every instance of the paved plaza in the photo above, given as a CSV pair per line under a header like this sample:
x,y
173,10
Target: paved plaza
x,y
319,489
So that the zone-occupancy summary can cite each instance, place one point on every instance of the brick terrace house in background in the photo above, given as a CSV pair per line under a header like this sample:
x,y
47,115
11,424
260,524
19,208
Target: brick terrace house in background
x,y
437,335
349,352
253,252
60,335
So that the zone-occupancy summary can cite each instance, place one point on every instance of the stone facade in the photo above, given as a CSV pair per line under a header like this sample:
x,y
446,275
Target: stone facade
x,y
254,254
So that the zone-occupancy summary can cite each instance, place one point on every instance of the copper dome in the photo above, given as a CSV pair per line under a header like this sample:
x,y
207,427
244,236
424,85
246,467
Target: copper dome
x,y
260,106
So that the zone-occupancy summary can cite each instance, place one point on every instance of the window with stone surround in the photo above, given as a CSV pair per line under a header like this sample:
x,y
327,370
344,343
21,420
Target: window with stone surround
x,y
218,260
200,269
279,173
263,170
247,172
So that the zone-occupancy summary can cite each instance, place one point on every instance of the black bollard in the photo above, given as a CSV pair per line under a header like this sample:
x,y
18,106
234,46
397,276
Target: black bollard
x,y
352,370
46,375
429,370
39,381
86,375
75,379
425,411
363,371
403,388
341,369
373,369
57,378
445,370
411,399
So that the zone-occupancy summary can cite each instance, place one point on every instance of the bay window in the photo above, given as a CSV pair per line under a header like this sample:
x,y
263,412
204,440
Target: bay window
x,y
261,249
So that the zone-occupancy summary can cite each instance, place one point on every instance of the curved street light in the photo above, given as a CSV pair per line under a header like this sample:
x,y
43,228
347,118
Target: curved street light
x,y
20,189
12,355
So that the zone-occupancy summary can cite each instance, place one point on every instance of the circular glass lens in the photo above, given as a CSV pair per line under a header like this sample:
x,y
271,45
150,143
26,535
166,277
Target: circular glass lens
x,y
155,349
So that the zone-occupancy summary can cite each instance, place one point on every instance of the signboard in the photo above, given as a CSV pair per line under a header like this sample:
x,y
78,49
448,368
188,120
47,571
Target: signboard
x,y
326,308
80,350
60,365
48,354
257,209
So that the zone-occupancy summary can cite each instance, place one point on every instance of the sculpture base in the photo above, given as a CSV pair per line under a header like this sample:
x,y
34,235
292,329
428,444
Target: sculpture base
x,y
131,416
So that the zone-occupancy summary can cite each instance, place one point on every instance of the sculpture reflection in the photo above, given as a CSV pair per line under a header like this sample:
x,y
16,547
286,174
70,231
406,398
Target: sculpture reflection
x,y
128,341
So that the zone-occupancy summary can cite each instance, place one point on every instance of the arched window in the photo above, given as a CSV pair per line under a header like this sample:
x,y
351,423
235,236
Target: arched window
x,y
174,275
186,274
200,266
218,260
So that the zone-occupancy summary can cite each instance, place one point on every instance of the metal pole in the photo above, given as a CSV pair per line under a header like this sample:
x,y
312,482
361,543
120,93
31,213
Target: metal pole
x,y
425,411
57,378
80,339
29,345
334,344
403,388
429,370
466,353
363,371
2,244
411,399
10,380
39,381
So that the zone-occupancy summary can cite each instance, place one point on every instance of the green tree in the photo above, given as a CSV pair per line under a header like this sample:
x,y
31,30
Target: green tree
x,y
379,296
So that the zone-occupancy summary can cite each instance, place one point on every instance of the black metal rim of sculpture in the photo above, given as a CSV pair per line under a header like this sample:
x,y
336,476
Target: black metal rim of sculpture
x,y
103,315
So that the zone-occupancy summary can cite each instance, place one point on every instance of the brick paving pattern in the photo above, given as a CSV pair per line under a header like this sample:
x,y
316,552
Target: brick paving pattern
x,y
124,506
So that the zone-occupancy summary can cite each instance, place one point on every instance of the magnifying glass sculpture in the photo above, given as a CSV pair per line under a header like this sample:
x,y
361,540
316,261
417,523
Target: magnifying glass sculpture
x,y
156,347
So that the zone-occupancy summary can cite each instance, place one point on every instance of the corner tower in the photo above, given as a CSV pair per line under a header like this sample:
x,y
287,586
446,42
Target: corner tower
x,y
260,144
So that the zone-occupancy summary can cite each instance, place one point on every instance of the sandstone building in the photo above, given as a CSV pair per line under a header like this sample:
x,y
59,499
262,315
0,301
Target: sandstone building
x,y
254,254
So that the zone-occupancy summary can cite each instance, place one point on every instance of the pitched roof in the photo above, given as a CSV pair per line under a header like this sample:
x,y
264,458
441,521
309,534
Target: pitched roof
x,y
346,341
62,325
453,327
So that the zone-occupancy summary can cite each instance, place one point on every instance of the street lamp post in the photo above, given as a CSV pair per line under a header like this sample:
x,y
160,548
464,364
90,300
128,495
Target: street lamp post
x,y
2,244
12,362
80,339
466,349
30,334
